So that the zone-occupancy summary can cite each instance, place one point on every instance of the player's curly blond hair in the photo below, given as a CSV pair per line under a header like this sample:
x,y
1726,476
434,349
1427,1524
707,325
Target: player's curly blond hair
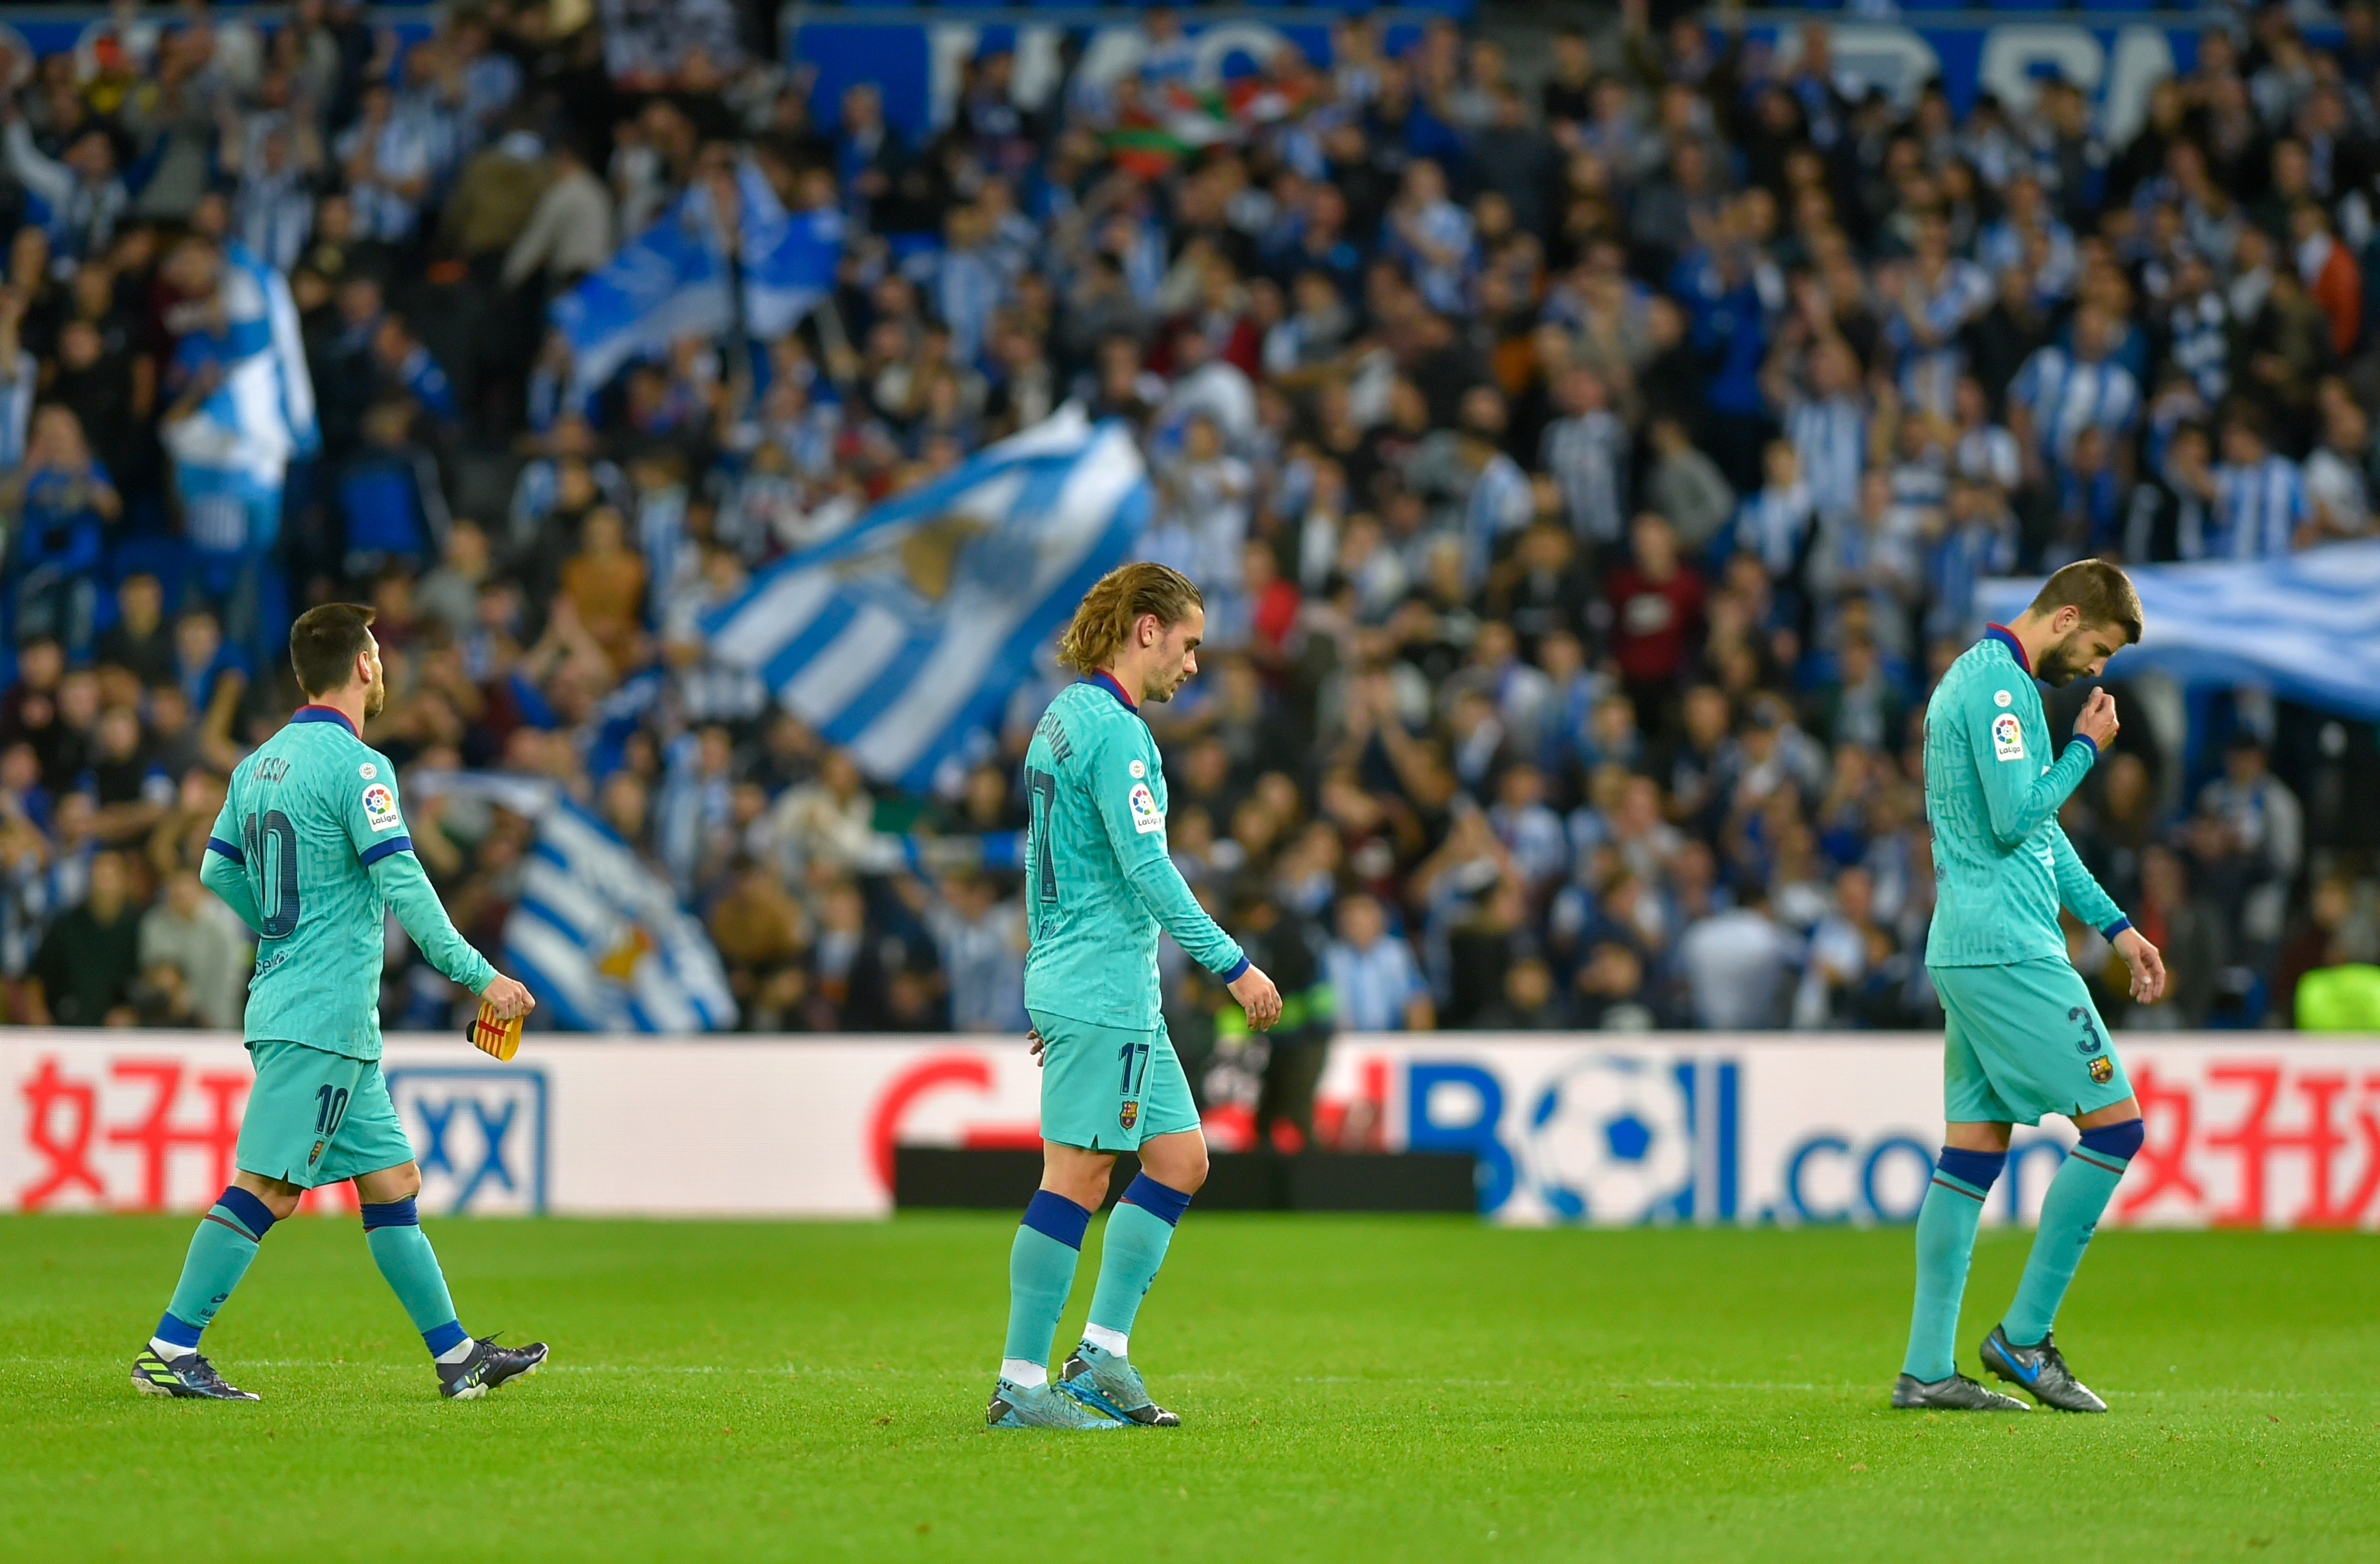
x,y
1110,609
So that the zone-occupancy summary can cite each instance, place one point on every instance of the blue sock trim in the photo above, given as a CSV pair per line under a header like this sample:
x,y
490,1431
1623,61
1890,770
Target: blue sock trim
x,y
392,1214
180,1332
252,1212
1158,1200
1054,1216
2122,1142
1976,1168
447,1337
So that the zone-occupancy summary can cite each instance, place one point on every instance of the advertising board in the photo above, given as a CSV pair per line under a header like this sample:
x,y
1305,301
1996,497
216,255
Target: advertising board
x,y
2243,1129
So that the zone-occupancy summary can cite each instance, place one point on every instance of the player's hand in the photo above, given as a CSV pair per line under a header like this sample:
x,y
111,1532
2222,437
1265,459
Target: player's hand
x,y
2098,723
1034,1043
2148,967
509,995
1258,998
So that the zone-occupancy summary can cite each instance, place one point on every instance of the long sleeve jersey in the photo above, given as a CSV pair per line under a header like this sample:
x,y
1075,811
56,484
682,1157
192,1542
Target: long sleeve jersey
x,y
2001,862
1098,883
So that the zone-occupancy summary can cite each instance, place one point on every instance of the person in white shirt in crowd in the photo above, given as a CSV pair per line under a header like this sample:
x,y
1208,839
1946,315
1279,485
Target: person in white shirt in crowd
x,y
2058,392
2337,490
2260,499
386,158
1586,452
1736,964
1373,974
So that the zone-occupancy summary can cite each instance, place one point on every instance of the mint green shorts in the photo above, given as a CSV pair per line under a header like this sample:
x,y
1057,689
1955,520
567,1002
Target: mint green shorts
x,y
317,1118
1104,1088
2023,1040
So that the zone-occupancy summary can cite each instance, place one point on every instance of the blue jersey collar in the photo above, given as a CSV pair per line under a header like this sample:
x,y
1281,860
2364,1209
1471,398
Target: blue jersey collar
x,y
2007,637
324,714
1107,682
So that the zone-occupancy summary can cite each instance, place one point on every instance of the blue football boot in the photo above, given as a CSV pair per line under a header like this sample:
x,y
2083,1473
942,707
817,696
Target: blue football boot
x,y
2040,1369
1097,1377
1039,1406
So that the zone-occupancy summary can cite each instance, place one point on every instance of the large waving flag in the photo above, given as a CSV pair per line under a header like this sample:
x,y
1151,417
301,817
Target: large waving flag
x,y
789,257
2307,624
901,637
262,413
599,937
602,937
668,281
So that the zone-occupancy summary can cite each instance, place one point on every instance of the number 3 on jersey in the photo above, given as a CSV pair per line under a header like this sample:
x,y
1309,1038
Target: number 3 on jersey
x,y
1042,788
272,844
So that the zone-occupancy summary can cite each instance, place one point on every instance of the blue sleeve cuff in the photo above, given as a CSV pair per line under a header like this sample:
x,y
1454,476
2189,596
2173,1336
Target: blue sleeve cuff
x,y
2088,742
218,845
1237,972
2115,927
380,850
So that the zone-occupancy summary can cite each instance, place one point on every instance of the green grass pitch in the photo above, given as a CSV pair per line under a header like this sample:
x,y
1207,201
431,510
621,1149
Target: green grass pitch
x,y
1360,1388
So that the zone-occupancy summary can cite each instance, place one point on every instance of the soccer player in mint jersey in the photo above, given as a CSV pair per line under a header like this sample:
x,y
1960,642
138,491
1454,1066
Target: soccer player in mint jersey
x,y
1097,887
2023,1038
311,850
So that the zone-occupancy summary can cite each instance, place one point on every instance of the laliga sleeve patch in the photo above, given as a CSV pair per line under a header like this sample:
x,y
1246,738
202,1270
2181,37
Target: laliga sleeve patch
x,y
1147,818
2008,736
380,809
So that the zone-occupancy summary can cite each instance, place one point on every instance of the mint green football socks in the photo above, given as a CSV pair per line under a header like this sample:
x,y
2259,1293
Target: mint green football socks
x,y
1946,1242
219,1256
2070,1213
393,1230
1041,1275
1139,1232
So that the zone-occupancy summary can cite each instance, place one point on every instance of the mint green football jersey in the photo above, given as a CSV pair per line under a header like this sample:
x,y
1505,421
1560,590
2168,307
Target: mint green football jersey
x,y
2002,864
311,851
1098,883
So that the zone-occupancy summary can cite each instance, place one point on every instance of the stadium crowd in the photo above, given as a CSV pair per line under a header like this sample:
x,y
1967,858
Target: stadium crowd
x,y
1589,468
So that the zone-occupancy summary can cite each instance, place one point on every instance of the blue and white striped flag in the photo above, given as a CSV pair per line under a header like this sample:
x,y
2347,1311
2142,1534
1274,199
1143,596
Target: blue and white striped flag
x,y
603,940
261,414
901,637
667,283
789,257
2306,623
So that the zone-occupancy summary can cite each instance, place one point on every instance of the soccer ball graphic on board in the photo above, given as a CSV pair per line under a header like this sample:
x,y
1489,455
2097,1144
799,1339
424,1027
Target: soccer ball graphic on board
x,y
1611,1139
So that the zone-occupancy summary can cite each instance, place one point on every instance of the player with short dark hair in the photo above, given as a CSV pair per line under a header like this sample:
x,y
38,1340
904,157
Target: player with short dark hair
x,y
311,850
1098,885
2023,1038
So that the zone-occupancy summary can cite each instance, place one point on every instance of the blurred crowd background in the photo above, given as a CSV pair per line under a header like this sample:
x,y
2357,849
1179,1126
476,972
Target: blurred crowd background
x,y
1590,457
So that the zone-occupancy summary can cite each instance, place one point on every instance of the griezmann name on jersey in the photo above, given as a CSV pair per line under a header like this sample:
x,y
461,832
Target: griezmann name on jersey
x,y
2002,864
1098,883
311,851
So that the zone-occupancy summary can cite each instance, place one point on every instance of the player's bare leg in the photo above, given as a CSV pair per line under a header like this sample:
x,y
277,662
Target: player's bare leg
x,y
1099,1374
2021,1348
468,1369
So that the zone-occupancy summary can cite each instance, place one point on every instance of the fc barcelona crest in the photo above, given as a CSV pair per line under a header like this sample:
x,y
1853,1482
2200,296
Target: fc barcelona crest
x,y
316,1155
2102,1069
1128,1115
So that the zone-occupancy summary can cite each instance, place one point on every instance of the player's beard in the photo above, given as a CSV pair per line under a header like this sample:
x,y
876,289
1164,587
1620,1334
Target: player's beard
x,y
376,696
2059,664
